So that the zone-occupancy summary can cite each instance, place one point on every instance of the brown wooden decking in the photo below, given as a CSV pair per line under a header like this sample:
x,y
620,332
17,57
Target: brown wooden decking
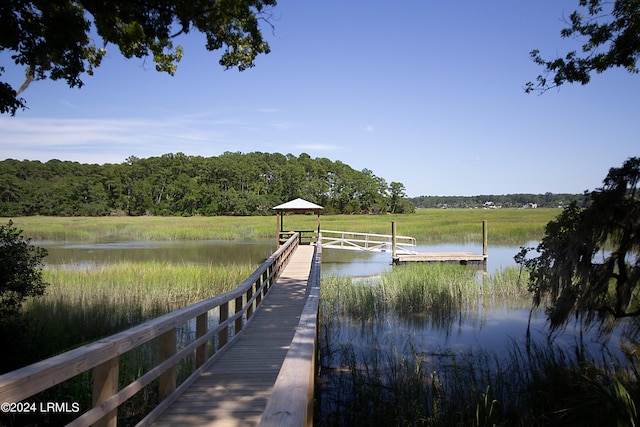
x,y
235,390
460,257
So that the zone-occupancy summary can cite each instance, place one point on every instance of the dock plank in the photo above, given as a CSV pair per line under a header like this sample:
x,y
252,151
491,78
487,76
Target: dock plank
x,y
461,257
235,390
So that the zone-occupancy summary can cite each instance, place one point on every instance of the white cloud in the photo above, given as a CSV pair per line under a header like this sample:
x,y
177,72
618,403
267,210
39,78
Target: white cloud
x,y
369,128
107,140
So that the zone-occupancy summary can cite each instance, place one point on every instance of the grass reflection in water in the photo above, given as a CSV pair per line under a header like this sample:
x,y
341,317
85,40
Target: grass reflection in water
x,y
431,344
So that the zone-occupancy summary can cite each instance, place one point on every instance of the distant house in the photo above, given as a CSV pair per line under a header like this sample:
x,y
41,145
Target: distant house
x,y
491,205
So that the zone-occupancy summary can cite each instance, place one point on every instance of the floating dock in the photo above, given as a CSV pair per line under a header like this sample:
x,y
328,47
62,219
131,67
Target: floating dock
x,y
463,258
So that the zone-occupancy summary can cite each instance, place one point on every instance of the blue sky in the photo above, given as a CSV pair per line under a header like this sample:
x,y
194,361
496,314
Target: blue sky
x,y
422,92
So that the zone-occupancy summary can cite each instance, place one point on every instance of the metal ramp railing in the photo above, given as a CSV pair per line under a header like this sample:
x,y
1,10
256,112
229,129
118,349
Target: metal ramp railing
x,y
367,242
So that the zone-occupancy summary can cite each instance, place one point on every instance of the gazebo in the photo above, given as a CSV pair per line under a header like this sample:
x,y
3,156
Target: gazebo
x,y
295,206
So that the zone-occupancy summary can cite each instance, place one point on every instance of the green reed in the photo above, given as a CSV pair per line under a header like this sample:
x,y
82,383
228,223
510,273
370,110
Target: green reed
x,y
422,287
145,228
83,304
376,378
505,226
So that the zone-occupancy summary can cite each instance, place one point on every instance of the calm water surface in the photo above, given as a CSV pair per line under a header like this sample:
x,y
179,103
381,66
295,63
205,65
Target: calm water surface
x,y
494,328
334,261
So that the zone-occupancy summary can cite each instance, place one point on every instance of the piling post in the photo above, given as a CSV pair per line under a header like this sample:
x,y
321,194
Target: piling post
x,y
393,240
484,238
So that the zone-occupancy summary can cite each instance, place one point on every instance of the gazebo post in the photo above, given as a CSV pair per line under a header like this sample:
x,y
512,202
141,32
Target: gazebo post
x,y
278,227
297,205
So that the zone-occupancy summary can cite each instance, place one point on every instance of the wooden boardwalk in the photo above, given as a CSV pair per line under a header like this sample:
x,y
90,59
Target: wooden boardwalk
x,y
235,389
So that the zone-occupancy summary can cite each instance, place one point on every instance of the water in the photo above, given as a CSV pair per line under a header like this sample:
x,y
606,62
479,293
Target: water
x,y
334,261
437,344
493,328
364,264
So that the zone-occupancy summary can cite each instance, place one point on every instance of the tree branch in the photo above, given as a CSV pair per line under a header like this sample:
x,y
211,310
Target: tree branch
x,y
26,83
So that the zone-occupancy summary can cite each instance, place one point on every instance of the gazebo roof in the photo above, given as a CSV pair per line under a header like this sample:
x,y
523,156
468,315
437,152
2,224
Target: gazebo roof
x,y
299,205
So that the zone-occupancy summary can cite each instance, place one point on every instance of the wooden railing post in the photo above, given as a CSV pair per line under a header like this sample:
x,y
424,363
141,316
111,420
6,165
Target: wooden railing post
x,y
250,306
105,385
238,326
223,335
266,288
167,380
258,291
201,330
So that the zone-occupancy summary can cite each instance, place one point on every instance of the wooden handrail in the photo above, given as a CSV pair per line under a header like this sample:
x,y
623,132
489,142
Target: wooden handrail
x,y
305,236
291,401
102,356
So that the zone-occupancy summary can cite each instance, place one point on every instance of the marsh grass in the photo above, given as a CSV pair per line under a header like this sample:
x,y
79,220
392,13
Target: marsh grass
x,y
438,289
84,304
146,228
505,226
378,377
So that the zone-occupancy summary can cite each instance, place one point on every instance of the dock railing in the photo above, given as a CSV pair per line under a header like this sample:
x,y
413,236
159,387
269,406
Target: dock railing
x,y
102,357
367,242
306,237
291,401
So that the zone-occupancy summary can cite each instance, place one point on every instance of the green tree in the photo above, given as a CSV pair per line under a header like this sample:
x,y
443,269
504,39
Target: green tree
x,y
54,39
589,258
291,178
20,271
612,39
20,278
399,201
177,184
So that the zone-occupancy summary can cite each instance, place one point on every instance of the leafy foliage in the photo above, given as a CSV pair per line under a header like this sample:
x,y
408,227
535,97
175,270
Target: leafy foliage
x,y
176,184
20,271
589,260
54,38
612,33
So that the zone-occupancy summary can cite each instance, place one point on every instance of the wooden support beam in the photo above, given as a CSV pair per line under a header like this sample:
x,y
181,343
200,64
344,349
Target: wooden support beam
x,y
250,305
223,336
201,330
238,325
167,380
105,385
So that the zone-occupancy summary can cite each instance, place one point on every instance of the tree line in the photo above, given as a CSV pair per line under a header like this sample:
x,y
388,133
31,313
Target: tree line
x,y
546,200
233,183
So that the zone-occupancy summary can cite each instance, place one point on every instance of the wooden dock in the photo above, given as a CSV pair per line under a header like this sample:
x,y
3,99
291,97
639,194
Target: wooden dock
x,y
463,258
234,391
